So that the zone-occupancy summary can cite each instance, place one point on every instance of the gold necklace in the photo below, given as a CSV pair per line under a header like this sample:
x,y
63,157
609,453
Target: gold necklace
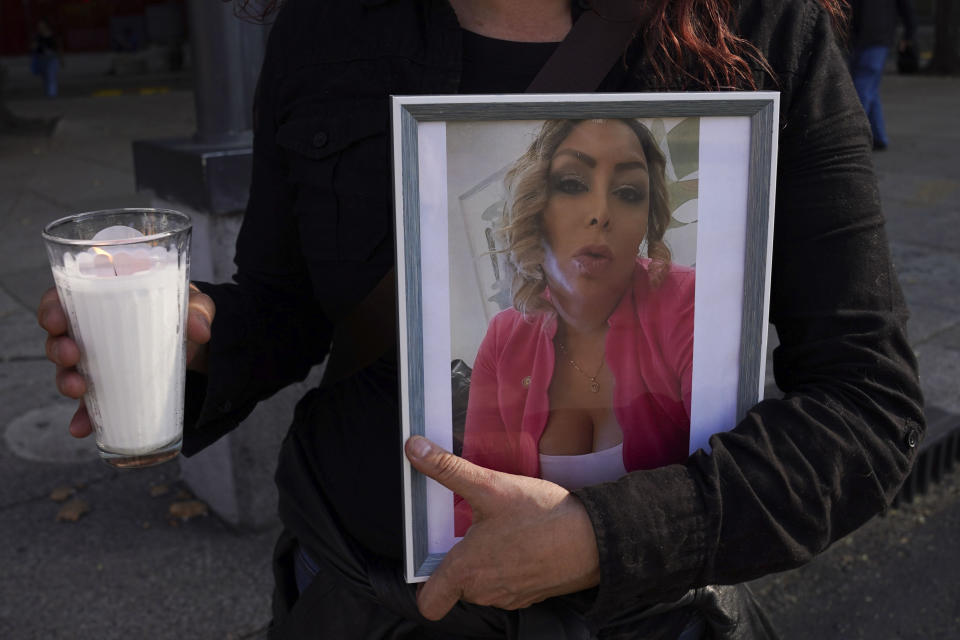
x,y
594,385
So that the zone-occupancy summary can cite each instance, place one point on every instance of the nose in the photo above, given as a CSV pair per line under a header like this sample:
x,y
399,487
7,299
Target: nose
x,y
600,215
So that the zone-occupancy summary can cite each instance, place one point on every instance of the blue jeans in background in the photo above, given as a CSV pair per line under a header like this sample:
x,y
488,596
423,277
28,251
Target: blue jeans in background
x,y
50,71
46,66
866,67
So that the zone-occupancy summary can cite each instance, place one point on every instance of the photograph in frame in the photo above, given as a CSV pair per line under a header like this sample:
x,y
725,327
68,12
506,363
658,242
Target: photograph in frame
x,y
522,221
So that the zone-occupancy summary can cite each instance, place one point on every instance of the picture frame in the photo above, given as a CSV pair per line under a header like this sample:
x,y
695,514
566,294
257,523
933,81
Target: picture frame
x,y
451,154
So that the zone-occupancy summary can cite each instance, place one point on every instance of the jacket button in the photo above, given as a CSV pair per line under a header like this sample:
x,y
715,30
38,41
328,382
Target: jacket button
x,y
319,139
225,406
913,436
526,381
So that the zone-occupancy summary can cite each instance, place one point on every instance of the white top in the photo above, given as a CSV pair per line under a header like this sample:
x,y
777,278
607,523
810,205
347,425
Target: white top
x,y
574,472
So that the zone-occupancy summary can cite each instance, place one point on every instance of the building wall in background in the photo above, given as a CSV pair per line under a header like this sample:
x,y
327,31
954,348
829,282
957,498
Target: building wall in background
x,y
93,25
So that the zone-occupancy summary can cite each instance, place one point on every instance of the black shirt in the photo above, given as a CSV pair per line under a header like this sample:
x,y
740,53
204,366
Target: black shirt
x,y
500,66
45,45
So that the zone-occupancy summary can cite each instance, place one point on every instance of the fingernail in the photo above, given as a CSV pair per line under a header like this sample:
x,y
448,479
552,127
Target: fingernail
x,y
419,447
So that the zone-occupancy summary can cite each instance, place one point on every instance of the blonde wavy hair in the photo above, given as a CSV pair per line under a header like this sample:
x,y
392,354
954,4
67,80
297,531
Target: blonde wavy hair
x,y
520,228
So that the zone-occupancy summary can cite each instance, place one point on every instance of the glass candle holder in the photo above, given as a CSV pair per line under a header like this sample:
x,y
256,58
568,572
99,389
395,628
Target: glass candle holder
x,y
123,276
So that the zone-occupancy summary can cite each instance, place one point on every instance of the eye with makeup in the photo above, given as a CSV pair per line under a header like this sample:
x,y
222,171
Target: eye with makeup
x,y
631,193
567,182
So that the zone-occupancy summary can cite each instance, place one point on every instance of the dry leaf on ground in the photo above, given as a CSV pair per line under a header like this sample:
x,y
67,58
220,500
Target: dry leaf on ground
x,y
188,509
159,490
73,510
62,493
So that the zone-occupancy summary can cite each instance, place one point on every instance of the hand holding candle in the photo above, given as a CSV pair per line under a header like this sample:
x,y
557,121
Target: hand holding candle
x,y
122,288
63,351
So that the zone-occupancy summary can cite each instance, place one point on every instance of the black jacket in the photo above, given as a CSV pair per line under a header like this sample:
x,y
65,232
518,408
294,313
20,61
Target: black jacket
x,y
795,475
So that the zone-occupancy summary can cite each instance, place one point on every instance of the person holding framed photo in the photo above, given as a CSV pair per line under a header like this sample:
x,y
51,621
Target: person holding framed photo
x,y
634,558
588,376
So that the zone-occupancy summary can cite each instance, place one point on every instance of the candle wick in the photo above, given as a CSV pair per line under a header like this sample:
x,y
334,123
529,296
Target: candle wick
x,y
113,265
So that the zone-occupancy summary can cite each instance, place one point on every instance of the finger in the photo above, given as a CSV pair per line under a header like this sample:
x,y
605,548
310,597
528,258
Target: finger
x,y
200,313
50,314
62,351
440,592
198,328
453,472
70,383
193,359
50,295
80,425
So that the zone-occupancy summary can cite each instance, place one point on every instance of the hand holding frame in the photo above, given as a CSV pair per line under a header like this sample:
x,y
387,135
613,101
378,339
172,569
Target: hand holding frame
x,y
530,539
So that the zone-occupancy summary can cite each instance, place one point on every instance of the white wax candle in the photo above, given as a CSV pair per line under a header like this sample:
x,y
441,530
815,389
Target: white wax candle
x,y
128,312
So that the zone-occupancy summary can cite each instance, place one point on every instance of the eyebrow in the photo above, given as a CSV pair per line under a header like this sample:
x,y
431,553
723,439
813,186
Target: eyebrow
x,y
592,163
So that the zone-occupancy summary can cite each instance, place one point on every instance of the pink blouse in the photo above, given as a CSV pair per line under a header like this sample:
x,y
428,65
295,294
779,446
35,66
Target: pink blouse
x,y
649,349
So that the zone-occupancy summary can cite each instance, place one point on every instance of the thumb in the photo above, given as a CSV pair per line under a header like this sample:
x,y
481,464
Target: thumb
x,y
201,311
462,477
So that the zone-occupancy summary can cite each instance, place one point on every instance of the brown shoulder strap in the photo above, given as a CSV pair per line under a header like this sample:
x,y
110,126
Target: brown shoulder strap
x,y
598,38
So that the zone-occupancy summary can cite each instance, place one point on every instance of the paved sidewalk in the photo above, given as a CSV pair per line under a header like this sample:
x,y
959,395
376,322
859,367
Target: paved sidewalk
x,y
129,567
126,567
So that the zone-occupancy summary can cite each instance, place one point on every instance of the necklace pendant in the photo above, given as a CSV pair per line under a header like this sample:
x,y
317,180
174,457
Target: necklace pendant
x,y
594,386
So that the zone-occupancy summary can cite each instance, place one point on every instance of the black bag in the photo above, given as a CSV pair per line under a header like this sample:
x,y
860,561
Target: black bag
x,y
460,389
908,61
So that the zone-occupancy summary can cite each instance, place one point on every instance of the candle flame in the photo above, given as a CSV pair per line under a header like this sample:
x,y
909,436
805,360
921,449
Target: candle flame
x,y
101,252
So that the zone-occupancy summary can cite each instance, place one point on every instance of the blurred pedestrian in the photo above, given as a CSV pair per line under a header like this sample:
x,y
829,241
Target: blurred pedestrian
x,y
47,56
127,40
873,24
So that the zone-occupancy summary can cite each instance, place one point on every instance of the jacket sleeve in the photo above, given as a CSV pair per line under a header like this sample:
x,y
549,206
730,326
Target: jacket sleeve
x,y
483,419
799,472
269,329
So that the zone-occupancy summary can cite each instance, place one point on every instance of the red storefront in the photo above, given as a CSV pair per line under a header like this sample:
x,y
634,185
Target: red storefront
x,y
92,25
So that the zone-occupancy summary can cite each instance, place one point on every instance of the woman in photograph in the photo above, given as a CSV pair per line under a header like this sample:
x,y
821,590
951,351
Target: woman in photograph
x,y
633,558
588,375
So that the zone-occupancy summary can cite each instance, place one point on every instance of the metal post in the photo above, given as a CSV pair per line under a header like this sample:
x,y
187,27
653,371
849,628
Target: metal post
x,y
227,53
210,171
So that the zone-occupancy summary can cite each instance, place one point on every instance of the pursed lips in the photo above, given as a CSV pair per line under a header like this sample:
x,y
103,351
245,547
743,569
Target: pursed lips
x,y
592,259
